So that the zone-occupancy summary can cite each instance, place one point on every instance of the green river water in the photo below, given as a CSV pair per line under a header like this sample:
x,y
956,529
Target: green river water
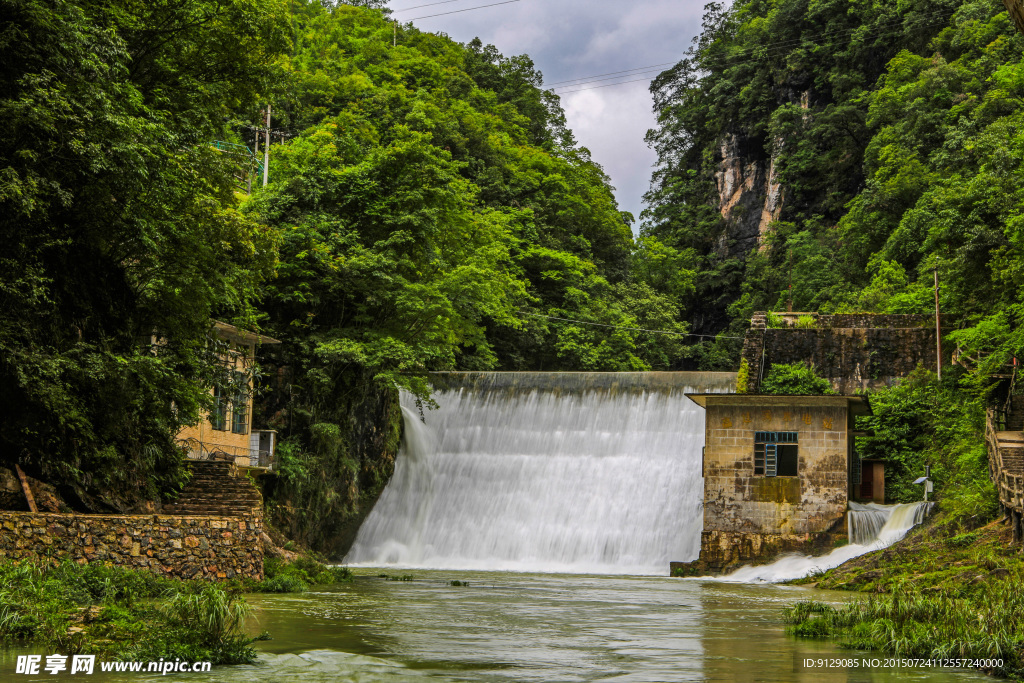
x,y
532,627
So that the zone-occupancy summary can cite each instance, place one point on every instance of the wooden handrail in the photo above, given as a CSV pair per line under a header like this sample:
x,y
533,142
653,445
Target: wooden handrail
x,y
1010,486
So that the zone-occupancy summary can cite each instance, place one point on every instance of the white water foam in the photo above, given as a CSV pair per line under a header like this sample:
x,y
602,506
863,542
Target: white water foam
x,y
543,480
899,519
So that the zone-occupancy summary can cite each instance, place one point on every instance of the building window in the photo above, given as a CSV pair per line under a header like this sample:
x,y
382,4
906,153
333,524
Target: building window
x,y
219,414
775,454
240,405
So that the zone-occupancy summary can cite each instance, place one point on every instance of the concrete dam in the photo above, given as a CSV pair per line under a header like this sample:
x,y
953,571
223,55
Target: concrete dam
x,y
546,472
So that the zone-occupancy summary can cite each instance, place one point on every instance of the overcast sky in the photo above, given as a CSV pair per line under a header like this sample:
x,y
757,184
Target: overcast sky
x,y
570,39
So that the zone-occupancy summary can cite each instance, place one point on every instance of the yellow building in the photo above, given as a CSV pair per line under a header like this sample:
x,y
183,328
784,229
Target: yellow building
x,y
226,433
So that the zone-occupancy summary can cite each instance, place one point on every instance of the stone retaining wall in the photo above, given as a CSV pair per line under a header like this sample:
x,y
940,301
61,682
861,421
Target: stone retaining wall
x,y
854,352
214,548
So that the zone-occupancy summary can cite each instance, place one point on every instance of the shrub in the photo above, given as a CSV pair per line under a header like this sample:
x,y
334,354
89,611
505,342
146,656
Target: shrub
x,y
795,379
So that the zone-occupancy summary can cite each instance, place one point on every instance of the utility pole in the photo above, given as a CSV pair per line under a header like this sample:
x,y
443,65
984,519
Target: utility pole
x,y
256,152
266,152
790,280
938,325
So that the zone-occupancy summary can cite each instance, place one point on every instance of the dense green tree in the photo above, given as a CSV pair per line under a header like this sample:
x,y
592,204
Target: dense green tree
x,y
119,222
892,130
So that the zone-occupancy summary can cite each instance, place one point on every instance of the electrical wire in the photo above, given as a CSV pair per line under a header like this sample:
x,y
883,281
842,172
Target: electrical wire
x,y
610,73
468,9
429,4
624,327
608,78
769,49
606,85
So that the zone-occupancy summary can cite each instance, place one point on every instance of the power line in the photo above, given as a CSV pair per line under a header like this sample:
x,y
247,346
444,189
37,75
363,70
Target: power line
x,y
606,85
610,73
468,9
769,48
624,327
429,4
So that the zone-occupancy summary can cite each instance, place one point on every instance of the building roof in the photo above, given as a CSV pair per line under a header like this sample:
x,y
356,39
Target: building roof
x,y
237,334
858,405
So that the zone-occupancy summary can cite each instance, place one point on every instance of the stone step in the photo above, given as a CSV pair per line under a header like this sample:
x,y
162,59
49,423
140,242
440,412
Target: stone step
x,y
208,510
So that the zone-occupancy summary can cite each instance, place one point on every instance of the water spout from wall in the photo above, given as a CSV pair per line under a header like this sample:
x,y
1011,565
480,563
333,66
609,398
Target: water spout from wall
x,y
899,519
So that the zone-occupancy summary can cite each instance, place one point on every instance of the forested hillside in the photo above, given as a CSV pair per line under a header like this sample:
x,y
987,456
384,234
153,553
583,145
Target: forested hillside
x,y
848,149
427,210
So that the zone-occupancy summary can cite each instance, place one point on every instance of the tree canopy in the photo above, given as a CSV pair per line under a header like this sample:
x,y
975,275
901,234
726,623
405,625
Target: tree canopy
x,y
892,132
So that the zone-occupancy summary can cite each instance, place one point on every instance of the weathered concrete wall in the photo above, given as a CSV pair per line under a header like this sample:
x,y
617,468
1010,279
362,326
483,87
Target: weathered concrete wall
x,y
212,548
738,501
852,351
724,551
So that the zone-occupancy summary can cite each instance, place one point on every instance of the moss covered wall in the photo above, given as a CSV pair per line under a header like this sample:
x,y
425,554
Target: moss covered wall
x,y
331,471
854,352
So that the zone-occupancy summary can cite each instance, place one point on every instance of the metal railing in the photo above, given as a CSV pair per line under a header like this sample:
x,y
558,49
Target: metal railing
x,y
242,456
251,166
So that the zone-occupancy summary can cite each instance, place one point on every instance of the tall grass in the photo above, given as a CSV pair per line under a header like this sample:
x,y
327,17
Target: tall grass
x,y
943,623
121,613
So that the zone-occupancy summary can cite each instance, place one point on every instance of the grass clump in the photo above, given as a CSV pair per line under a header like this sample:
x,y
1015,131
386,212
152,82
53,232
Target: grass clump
x,y
121,613
458,583
910,622
280,576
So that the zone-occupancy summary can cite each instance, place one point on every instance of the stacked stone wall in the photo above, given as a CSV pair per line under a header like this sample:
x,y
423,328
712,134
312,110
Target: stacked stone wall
x,y
213,548
854,352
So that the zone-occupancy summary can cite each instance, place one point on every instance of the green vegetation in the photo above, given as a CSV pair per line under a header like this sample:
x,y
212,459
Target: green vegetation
x,y
119,222
894,132
743,377
458,584
942,592
433,213
795,379
280,576
923,421
427,210
121,613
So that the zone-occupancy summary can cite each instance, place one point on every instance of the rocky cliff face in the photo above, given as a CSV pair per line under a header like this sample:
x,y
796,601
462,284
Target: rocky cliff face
x,y
1016,10
750,194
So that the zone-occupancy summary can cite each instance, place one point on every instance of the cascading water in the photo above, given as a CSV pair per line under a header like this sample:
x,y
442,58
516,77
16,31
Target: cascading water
x,y
899,519
549,472
865,522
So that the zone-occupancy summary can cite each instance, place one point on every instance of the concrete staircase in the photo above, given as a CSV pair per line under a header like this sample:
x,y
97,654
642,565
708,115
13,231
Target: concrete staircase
x,y
216,490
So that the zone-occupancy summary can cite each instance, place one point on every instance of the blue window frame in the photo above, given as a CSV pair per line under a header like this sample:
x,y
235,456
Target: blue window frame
x,y
775,454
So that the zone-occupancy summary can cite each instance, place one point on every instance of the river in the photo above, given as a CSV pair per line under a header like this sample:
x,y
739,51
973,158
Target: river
x,y
534,627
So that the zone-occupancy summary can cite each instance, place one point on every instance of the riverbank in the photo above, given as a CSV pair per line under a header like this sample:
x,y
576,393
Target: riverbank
x,y
944,591
128,614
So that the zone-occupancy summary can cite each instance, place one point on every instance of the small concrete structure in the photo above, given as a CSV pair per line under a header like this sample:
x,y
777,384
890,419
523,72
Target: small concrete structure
x,y
776,475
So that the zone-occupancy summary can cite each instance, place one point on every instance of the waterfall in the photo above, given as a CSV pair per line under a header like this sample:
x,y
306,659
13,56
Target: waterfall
x,y
546,472
899,519
866,521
